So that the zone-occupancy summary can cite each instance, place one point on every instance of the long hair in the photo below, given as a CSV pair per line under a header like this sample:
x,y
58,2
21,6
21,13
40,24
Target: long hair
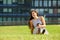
x,y
31,16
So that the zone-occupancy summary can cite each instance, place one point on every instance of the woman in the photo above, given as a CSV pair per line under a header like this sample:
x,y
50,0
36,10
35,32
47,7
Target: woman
x,y
34,19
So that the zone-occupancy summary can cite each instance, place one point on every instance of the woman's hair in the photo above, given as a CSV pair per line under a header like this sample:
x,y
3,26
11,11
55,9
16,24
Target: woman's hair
x,y
31,16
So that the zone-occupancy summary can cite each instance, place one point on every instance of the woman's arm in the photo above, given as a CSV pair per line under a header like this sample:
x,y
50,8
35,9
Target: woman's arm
x,y
31,26
43,21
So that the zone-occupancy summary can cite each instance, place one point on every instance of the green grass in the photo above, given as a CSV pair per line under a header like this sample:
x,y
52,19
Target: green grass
x,y
23,33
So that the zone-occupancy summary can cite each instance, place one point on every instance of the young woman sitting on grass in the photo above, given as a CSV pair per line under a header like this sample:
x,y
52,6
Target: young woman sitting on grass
x,y
36,23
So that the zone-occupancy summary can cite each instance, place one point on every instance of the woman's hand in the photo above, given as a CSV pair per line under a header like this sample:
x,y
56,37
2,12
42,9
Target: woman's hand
x,y
41,26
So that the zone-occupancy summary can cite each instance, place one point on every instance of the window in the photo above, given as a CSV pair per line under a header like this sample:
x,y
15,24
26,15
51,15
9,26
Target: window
x,y
58,10
9,1
45,10
41,11
19,10
4,1
13,18
36,3
46,19
23,19
55,11
55,19
0,18
20,1
58,20
49,3
45,3
40,3
9,18
1,1
14,1
4,19
5,10
50,11
54,3
10,10
58,3
33,2
1,10
18,19
50,19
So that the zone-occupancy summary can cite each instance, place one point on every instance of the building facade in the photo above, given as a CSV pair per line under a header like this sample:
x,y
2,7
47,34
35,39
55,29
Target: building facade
x,y
16,12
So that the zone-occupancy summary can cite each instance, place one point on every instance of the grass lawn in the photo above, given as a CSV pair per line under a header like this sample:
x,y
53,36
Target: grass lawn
x,y
23,33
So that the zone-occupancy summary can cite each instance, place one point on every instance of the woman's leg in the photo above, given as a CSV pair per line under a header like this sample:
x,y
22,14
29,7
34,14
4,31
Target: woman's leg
x,y
35,31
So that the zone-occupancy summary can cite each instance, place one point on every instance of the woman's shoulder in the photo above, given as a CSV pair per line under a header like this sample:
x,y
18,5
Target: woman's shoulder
x,y
41,17
30,20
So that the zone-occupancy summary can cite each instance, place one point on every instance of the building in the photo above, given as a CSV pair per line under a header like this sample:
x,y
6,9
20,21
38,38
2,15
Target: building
x,y
16,12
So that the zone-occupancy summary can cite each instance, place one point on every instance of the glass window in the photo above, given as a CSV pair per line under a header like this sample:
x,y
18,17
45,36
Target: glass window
x,y
50,11
5,10
58,10
40,3
9,1
4,1
36,3
19,10
23,19
58,3
20,1
0,18
18,19
46,19
4,18
14,1
32,2
45,10
50,19
45,3
1,10
41,11
59,19
55,11
54,3
55,19
1,1
10,10
49,3
13,19
9,18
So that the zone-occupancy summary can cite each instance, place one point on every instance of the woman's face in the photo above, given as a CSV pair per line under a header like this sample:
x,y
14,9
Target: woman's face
x,y
34,14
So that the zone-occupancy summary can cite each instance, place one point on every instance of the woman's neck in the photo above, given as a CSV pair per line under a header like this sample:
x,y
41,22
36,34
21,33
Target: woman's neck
x,y
36,17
